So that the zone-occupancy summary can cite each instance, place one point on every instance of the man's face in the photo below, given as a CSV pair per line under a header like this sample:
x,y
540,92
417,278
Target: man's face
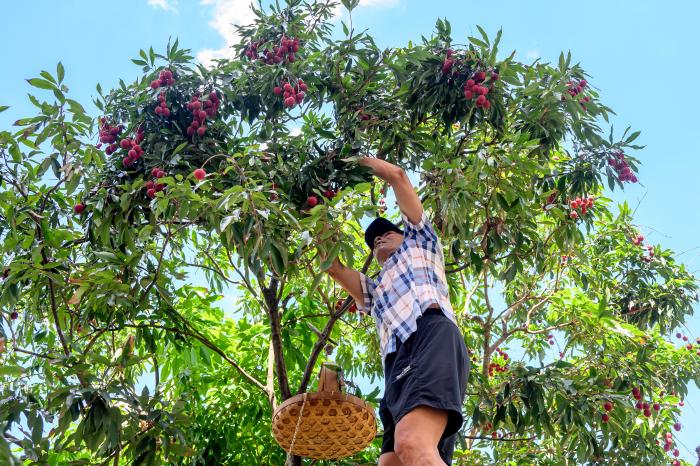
x,y
385,245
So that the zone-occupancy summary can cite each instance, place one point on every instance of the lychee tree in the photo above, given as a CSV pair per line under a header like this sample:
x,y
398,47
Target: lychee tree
x,y
246,174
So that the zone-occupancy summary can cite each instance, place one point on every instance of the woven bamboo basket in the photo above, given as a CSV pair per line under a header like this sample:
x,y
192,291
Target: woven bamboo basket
x,y
327,424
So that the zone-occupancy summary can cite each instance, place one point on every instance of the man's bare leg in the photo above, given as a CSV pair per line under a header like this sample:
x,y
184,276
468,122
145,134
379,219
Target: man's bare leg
x,y
390,459
417,436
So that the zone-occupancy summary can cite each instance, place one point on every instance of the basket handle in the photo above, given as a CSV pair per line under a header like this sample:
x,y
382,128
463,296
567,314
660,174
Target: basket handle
x,y
330,380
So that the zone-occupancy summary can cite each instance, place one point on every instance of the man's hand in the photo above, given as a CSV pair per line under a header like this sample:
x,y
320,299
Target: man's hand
x,y
381,168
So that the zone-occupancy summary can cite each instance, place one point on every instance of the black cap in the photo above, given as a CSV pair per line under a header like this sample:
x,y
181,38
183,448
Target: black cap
x,y
378,227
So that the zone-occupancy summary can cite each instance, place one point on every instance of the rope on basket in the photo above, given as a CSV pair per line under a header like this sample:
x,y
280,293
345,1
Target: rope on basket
x,y
296,429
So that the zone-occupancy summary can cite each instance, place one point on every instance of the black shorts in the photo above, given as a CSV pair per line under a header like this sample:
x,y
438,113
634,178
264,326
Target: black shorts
x,y
429,369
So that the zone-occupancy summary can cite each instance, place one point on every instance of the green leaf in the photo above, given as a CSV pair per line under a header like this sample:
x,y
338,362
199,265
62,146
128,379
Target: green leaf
x,y
42,84
179,148
106,255
3,108
632,137
15,371
350,4
60,72
226,221
483,35
335,250
478,42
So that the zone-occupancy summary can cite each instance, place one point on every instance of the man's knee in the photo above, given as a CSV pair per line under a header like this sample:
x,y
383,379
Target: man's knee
x,y
412,448
389,459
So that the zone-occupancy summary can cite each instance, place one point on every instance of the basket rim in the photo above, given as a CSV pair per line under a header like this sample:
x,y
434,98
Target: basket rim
x,y
339,396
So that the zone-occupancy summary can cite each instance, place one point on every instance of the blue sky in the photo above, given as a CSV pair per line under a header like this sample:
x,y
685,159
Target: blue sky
x,y
642,55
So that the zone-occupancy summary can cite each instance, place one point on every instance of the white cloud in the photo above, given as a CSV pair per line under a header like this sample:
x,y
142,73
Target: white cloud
x,y
532,54
225,14
167,5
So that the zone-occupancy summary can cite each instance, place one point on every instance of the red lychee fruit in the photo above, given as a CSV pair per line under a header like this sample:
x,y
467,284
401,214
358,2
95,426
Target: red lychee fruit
x,y
312,201
200,174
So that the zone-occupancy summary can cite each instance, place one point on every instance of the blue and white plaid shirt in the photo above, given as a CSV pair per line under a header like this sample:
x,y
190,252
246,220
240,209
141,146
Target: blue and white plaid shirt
x,y
411,279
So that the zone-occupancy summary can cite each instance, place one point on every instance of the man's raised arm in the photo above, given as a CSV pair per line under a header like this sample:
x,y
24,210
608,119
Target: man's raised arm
x,y
406,196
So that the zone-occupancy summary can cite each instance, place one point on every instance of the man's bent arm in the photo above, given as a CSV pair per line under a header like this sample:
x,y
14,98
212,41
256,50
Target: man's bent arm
x,y
347,278
406,196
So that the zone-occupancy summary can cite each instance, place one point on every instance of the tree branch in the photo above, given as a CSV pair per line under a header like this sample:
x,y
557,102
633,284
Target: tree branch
x,y
272,304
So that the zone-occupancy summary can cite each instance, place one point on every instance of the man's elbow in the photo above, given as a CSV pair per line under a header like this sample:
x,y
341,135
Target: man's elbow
x,y
397,175
335,268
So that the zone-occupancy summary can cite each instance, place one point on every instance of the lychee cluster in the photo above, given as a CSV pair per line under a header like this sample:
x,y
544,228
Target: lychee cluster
x,y
474,89
689,346
575,89
165,78
638,239
152,187
669,444
580,203
200,111
108,135
284,52
643,406
448,63
650,253
329,193
162,108
607,406
550,199
352,308
499,366
565,258
624,172
134,150
292,95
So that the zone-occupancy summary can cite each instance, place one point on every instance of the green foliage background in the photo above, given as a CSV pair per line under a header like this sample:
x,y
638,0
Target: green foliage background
x,y
102,297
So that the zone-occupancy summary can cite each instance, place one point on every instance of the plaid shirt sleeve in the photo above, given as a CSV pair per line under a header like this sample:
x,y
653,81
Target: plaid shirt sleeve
x,y
422,232
368,287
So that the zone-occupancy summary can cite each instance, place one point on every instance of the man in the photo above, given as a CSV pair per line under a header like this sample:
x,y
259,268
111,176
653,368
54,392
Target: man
x,y
425,359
